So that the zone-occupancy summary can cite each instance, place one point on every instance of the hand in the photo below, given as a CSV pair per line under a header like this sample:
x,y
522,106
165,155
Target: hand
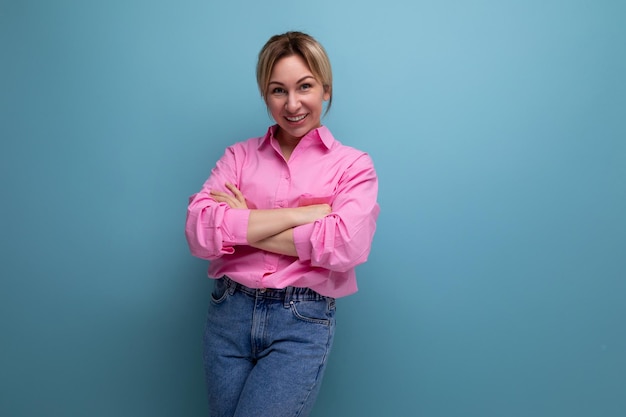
x,y
314,212
235,200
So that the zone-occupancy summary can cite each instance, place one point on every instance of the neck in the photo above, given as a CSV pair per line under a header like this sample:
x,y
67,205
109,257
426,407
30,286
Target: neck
x,y
286,140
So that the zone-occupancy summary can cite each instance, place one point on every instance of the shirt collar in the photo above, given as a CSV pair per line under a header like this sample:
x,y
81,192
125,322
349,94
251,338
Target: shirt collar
x,y
321,134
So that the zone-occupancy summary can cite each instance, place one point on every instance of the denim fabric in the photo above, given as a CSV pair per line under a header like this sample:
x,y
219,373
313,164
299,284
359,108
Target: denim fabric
x,y
265,351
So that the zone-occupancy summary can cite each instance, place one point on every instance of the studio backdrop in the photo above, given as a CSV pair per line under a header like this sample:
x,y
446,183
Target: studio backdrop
x,y
496,285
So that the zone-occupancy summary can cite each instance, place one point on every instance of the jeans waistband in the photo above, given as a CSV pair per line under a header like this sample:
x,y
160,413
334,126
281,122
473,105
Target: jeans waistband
x,y
285,294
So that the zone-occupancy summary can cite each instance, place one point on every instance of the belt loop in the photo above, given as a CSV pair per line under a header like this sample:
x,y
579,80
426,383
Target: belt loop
x,y
288,296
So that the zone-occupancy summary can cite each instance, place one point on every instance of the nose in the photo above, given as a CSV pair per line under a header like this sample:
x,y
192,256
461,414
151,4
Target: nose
x,y
292,104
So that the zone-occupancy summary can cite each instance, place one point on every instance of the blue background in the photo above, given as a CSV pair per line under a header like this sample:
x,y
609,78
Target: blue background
x,y
497,280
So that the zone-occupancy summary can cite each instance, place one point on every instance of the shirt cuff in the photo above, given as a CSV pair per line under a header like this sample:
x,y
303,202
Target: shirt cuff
x,y
302,241
235,227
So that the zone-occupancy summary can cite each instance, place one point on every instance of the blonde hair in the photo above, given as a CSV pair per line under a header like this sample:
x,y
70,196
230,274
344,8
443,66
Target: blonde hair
x,y
294,43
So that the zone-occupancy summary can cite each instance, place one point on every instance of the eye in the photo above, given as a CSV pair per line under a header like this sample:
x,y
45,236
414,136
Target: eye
x,y
306,86
278,90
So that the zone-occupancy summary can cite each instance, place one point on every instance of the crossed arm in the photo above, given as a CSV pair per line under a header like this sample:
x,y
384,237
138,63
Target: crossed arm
x,y
272,229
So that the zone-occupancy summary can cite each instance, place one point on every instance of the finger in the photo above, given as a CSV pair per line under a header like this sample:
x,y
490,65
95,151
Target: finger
x,y
232,188
235,191
219,194
221,197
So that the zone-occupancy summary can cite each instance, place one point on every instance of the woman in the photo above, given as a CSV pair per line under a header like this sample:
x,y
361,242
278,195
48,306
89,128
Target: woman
x,y
284,220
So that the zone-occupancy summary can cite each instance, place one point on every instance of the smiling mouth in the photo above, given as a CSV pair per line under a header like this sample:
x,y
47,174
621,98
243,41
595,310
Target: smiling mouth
x,y
296,118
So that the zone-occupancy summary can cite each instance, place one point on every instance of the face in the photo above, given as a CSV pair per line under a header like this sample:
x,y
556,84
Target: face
x,y
295,98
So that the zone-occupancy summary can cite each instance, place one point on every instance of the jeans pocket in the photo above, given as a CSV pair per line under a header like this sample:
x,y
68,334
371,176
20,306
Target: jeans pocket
x,y
319,312
220,291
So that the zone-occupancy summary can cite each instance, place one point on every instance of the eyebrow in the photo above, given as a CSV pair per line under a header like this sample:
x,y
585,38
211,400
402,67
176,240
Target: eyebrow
x,y
297,82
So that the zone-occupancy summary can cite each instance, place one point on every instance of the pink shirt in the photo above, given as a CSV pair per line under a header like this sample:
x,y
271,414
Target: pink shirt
x,y
320,170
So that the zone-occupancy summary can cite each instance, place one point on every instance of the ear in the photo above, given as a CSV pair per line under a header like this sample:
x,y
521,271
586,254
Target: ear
x,y
326,93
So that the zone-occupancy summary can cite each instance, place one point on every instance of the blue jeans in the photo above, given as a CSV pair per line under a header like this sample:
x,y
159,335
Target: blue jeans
x,y
265,351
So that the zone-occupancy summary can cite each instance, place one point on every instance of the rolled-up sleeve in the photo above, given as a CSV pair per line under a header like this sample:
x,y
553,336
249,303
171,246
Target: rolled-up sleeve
x,y
213,229
342,240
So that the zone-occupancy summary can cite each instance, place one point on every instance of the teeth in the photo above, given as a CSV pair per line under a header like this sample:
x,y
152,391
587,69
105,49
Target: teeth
x,y
295,119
